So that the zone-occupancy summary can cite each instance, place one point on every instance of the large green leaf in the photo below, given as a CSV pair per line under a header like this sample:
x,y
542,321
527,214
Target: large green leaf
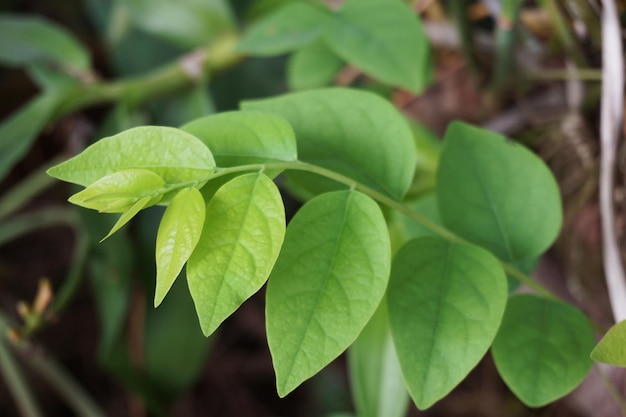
x,y
612,347
245,137
173,154
19,131
284,30
384,39
355,133
186,23
240,241
328,281
446,301
178,235
313,66
542,348
27,40
377,383
497,193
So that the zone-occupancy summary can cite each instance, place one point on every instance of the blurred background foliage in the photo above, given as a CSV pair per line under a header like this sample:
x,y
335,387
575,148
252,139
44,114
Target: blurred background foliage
x,y
528,69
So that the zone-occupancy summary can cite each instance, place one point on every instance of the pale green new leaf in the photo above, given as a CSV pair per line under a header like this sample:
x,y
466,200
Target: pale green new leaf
x,y
178,235
446,301
497,194
27,40
384,39
313,66
329,278
612,347
377,384
119,191
132,212
174,155
240,241
355,133
284,30
542,348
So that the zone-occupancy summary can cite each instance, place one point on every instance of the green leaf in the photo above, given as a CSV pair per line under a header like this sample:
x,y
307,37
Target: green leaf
x,y
329,278
179,108
130,213
336,129
497,194
313,66
178,235
384,39
185,23
26,40
377,383
117,192
542,348
245,137
240,241
446,301
174,155
19,131
612,347
284,30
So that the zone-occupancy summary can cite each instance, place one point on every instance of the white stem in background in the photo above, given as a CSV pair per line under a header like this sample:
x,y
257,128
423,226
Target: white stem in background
x,y
610,126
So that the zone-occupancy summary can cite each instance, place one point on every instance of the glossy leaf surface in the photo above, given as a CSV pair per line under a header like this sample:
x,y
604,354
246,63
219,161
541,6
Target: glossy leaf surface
x,y
542,348
330,277
178,235
612,347
384,39
497,193
355,133
284,30
174,155
240,241
446,301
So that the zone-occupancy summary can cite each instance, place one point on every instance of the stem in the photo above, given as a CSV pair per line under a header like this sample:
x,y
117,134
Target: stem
x,y
14,379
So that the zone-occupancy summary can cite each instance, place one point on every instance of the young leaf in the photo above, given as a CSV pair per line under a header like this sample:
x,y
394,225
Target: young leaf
x,y
329,278
131,212
542,348
384,39
117,192
178,235
312,66
240,241
245,137
336,129
377,383
612,347
27,40
284,30
19,130
446,301
174,155
497,193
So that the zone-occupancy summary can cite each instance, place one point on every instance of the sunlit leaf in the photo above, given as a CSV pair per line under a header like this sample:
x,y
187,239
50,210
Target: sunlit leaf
x,y
446,301
542,348
328,281
612,347
240,241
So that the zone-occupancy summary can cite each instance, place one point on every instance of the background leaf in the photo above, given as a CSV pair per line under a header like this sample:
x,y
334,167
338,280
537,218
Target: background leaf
x,y
542,348
173,154
375,376
289,27
335,129
446,301
313,66
179,232
497,193
612,347
329,279
384,39
240,241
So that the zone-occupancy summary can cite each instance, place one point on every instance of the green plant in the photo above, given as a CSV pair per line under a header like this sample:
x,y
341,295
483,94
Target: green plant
x,y
329,270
